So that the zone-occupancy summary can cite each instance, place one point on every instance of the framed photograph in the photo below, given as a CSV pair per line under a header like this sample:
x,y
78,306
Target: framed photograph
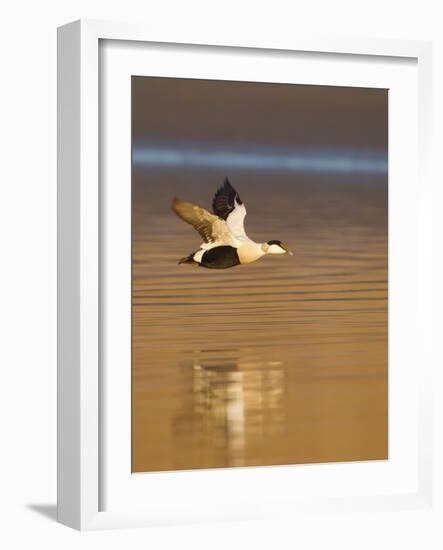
x,y
244,307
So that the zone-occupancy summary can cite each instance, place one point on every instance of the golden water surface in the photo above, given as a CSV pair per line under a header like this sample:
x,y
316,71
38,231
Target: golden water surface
x,y
282,361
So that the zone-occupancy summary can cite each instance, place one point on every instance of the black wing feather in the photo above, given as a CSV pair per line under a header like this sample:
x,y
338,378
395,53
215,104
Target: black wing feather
x,y
224,200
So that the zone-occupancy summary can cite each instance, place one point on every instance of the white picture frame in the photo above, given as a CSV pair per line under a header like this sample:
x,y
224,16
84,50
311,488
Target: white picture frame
x,y
80,411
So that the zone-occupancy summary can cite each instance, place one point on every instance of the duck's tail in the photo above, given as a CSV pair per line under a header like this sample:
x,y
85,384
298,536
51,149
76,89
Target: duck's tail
x,y
188,260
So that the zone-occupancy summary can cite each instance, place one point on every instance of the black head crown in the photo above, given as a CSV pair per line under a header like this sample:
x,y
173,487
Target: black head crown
x,y
278,243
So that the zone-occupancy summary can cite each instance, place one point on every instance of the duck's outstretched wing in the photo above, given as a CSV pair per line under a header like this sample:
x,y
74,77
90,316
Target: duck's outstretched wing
x,y
211,228
228,206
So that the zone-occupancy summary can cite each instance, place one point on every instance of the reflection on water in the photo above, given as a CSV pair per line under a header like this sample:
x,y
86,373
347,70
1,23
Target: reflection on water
x,y
278,362
233,401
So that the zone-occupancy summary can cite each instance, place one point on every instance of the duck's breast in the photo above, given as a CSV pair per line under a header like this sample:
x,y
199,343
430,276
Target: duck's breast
x,y
249,252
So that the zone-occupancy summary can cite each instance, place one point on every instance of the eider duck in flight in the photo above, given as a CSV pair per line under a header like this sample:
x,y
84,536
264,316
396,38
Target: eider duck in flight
x,y
225,243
